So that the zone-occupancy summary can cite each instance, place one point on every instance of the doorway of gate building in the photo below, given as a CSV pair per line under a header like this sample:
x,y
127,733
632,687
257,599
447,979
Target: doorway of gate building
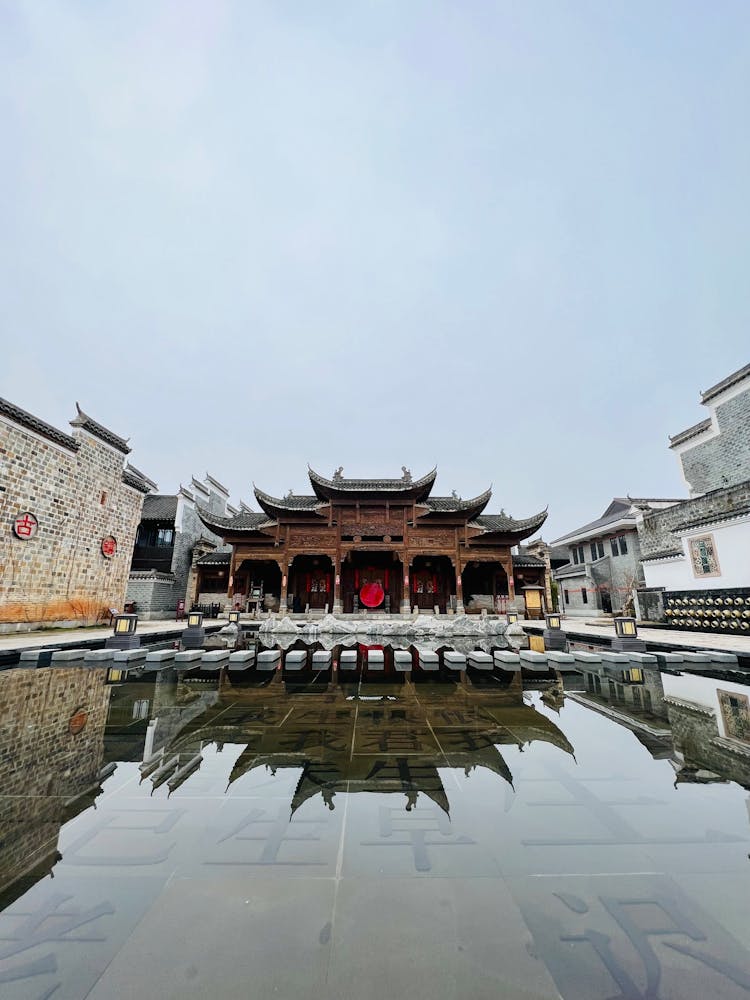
x,y
371,580
485,586
310,583
433,583
257,585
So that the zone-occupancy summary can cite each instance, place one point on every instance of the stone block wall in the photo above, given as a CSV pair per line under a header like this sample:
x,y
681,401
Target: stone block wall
x,y
76,491
155,594
655,531
722,460
651,604
43,766
212,597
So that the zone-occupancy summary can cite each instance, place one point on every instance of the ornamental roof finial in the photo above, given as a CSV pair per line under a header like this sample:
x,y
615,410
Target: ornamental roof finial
x,y
406,474
338,474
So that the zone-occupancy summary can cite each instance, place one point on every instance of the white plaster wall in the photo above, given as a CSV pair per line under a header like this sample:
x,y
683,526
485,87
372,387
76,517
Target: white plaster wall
x,y
732,543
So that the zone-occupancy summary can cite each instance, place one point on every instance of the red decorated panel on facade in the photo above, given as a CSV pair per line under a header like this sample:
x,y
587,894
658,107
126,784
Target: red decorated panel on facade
x,y
25,526
109,546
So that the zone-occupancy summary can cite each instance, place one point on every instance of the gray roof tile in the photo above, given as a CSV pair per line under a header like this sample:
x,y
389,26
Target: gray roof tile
x,y
32,423
159,507
725,383
87,423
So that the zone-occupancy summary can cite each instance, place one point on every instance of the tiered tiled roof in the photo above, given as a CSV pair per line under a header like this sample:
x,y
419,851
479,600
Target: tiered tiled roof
x,y
327,488
245,521
455,505
502,523
291,502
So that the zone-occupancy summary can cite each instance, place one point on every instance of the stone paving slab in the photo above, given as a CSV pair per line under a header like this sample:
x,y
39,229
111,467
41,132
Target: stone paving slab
x,y
671,638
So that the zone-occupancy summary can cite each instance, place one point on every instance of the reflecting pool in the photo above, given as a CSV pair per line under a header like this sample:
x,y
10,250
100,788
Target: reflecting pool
x,y
168,836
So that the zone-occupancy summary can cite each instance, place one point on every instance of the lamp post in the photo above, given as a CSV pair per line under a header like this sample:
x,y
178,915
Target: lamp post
x,y
194,635
123,633
553,635
626,635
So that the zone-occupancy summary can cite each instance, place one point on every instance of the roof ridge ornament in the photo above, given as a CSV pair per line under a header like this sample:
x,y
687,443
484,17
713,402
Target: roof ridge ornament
x,y
406,474
338,474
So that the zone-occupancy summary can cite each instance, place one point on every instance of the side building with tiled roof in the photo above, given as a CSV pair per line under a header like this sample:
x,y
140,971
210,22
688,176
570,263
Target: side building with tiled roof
x,y
696,555
603,559
177,560
70,505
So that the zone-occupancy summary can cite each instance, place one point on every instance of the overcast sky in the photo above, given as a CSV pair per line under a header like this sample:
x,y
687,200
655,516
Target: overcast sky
x,y
509,239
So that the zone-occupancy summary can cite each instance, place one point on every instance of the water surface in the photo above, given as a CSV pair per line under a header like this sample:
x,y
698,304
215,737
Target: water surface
x,y
512,839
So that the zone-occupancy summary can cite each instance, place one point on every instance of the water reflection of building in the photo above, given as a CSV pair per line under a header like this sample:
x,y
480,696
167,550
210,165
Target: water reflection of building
x,y
147,714
700,722
634,698
51,754
341,744
710,720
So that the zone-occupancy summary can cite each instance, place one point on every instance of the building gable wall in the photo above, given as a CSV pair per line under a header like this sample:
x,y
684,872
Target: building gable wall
x,y
722,459
78,498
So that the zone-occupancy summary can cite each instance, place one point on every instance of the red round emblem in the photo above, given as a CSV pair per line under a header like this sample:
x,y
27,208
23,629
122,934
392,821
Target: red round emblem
x,y
77,722
25,525
372,595
109,546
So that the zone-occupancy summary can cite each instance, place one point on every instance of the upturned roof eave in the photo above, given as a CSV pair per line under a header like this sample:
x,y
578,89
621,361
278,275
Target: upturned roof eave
x,y
515,530
273,506
412,490
224,526
466,508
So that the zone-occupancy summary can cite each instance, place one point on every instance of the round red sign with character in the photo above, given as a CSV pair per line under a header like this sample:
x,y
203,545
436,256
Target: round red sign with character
x,y
372,595
109,546
25,525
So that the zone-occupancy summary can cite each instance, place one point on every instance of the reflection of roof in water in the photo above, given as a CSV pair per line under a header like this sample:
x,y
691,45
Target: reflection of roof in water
x,y
385,746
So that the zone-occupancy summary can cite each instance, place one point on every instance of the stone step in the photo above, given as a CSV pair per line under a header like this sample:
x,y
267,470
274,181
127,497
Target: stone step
x,y
129,655
402,660
479,660
296,659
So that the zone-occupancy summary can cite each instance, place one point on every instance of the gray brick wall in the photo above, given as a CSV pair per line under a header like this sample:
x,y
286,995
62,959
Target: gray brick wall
x,y
695,737
188,533
656,530
155,594
725,459
78,497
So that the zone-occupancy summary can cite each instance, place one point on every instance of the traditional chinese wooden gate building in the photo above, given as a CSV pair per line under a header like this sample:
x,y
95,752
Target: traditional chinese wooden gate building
x,y
377,543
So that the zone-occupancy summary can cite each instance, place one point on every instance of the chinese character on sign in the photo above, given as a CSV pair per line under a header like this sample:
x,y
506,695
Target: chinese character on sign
x,y
25,526
109,547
